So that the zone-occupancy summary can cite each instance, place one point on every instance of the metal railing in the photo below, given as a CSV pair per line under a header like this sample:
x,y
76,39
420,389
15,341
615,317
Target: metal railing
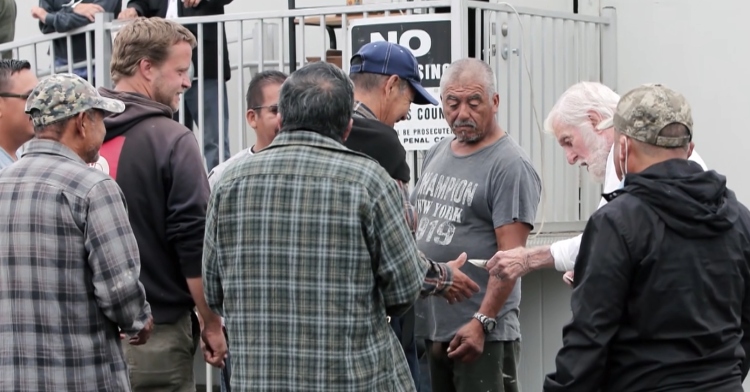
x,y
536,55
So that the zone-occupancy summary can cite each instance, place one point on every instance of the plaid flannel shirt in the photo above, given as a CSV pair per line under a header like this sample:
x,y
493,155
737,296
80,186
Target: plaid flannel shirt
x,y
69,279
306,252
439,277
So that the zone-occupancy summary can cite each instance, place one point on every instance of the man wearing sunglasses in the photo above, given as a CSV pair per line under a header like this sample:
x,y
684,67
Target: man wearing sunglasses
x,y
262,107
16,82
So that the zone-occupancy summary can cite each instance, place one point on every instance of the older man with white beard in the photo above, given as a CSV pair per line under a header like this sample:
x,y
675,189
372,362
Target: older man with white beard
x,y
581,121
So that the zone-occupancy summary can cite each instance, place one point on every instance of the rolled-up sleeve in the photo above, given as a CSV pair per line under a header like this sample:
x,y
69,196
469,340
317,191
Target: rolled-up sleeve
x,y
114,259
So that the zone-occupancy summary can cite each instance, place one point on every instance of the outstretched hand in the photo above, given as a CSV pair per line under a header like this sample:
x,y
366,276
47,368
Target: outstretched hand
x,y
463,287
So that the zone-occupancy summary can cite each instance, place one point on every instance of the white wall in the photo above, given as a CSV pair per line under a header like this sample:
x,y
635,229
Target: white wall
x,y
697,48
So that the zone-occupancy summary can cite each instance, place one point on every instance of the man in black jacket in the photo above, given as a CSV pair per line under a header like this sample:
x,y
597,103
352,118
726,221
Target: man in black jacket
x,y
662,292
210,42
385,84
60,16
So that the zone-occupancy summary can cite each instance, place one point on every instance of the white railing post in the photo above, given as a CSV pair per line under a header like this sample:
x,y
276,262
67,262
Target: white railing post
x,y
609,48
102,49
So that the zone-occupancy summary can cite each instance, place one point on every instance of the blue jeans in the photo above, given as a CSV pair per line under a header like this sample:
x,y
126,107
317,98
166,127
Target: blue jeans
x,y
210,119
82,72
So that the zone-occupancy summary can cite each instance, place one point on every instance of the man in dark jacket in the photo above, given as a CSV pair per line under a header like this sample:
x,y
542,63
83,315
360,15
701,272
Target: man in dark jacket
x,y
60,16
157,163
662,291
385,85
210,42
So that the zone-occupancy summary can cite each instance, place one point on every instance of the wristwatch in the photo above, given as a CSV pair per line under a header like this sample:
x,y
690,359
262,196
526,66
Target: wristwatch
x,y
488,323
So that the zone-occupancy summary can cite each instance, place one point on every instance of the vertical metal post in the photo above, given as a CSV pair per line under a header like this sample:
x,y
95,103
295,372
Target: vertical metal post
x,y
261,47
221,87
201,120
292,4
459,34
69,47
609,48
89,58
102,49
242,137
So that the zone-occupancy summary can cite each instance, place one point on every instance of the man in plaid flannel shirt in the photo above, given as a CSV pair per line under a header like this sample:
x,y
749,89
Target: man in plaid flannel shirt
x,y
69,259
307,251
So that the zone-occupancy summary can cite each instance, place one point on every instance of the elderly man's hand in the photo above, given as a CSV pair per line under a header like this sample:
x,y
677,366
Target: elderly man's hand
x,y
568,278
463,287
510,264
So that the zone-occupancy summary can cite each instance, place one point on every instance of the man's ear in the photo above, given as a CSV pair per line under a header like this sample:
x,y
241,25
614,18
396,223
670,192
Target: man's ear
x,y
594,118
690,149
348,130
146,68
252,118
392,85
81,124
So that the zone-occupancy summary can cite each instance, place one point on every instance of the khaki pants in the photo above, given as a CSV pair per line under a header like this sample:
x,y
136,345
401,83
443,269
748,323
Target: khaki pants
x,y
8,13
165,362
496,370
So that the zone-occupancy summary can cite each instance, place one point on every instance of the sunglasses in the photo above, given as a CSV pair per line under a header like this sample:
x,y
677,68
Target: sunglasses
x,y
271,108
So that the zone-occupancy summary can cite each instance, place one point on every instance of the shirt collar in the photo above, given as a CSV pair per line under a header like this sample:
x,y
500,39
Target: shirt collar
x,y
50,147
361,110
306,138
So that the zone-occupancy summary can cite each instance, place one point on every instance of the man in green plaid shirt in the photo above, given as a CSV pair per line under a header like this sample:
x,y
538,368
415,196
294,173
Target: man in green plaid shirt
x,y
307,251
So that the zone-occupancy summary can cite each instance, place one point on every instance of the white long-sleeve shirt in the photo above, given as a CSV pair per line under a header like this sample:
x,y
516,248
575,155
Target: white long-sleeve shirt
x,y
565,251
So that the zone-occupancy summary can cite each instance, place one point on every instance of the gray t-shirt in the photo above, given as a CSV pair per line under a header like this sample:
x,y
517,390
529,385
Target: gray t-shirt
x,y
460,200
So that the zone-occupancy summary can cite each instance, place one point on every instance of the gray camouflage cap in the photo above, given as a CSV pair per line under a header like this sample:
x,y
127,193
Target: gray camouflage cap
x,y
62,96
643,112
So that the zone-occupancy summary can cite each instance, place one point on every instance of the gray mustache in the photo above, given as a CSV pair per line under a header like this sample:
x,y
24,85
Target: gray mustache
x,y
466,123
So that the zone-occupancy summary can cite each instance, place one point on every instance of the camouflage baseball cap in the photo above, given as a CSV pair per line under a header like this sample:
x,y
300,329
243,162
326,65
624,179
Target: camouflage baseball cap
x,y
643,112
62,96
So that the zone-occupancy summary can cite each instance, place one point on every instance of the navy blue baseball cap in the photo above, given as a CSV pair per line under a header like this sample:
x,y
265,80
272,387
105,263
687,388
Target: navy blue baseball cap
x,y
387,58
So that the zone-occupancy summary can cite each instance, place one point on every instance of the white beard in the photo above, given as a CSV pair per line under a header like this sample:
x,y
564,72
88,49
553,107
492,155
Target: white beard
x,y
597,162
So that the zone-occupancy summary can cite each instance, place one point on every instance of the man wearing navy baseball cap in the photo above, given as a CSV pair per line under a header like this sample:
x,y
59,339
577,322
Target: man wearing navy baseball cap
x,y
386,83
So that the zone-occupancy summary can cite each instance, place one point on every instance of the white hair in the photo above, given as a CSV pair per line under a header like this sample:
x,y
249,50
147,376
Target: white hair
x,y
478,68
574,105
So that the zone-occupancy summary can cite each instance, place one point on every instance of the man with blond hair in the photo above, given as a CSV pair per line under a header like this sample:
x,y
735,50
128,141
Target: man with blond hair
x,y
157,163
581,121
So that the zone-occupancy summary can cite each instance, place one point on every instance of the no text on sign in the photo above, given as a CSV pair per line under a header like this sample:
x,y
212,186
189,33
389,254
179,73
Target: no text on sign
x,y
429,39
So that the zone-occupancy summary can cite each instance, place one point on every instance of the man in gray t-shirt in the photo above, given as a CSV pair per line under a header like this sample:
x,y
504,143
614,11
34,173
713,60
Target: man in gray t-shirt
x,y
478,193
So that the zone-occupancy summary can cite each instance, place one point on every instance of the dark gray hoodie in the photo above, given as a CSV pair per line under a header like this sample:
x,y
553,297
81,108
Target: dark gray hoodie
x,y
157,163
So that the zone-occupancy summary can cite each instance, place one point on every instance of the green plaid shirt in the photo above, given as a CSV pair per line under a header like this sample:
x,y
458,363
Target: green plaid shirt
x,y
306,251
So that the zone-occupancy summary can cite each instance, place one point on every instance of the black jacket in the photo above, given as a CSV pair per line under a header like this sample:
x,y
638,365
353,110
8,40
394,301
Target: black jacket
x,y
662,294
62,19
151,8
157,163
379,142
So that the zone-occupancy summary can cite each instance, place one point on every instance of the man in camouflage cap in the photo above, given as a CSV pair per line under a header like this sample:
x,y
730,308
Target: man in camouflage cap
x,y
62,97
663,274
69,258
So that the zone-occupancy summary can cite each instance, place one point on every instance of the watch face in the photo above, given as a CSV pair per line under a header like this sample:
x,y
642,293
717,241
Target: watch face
x,y
490,325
